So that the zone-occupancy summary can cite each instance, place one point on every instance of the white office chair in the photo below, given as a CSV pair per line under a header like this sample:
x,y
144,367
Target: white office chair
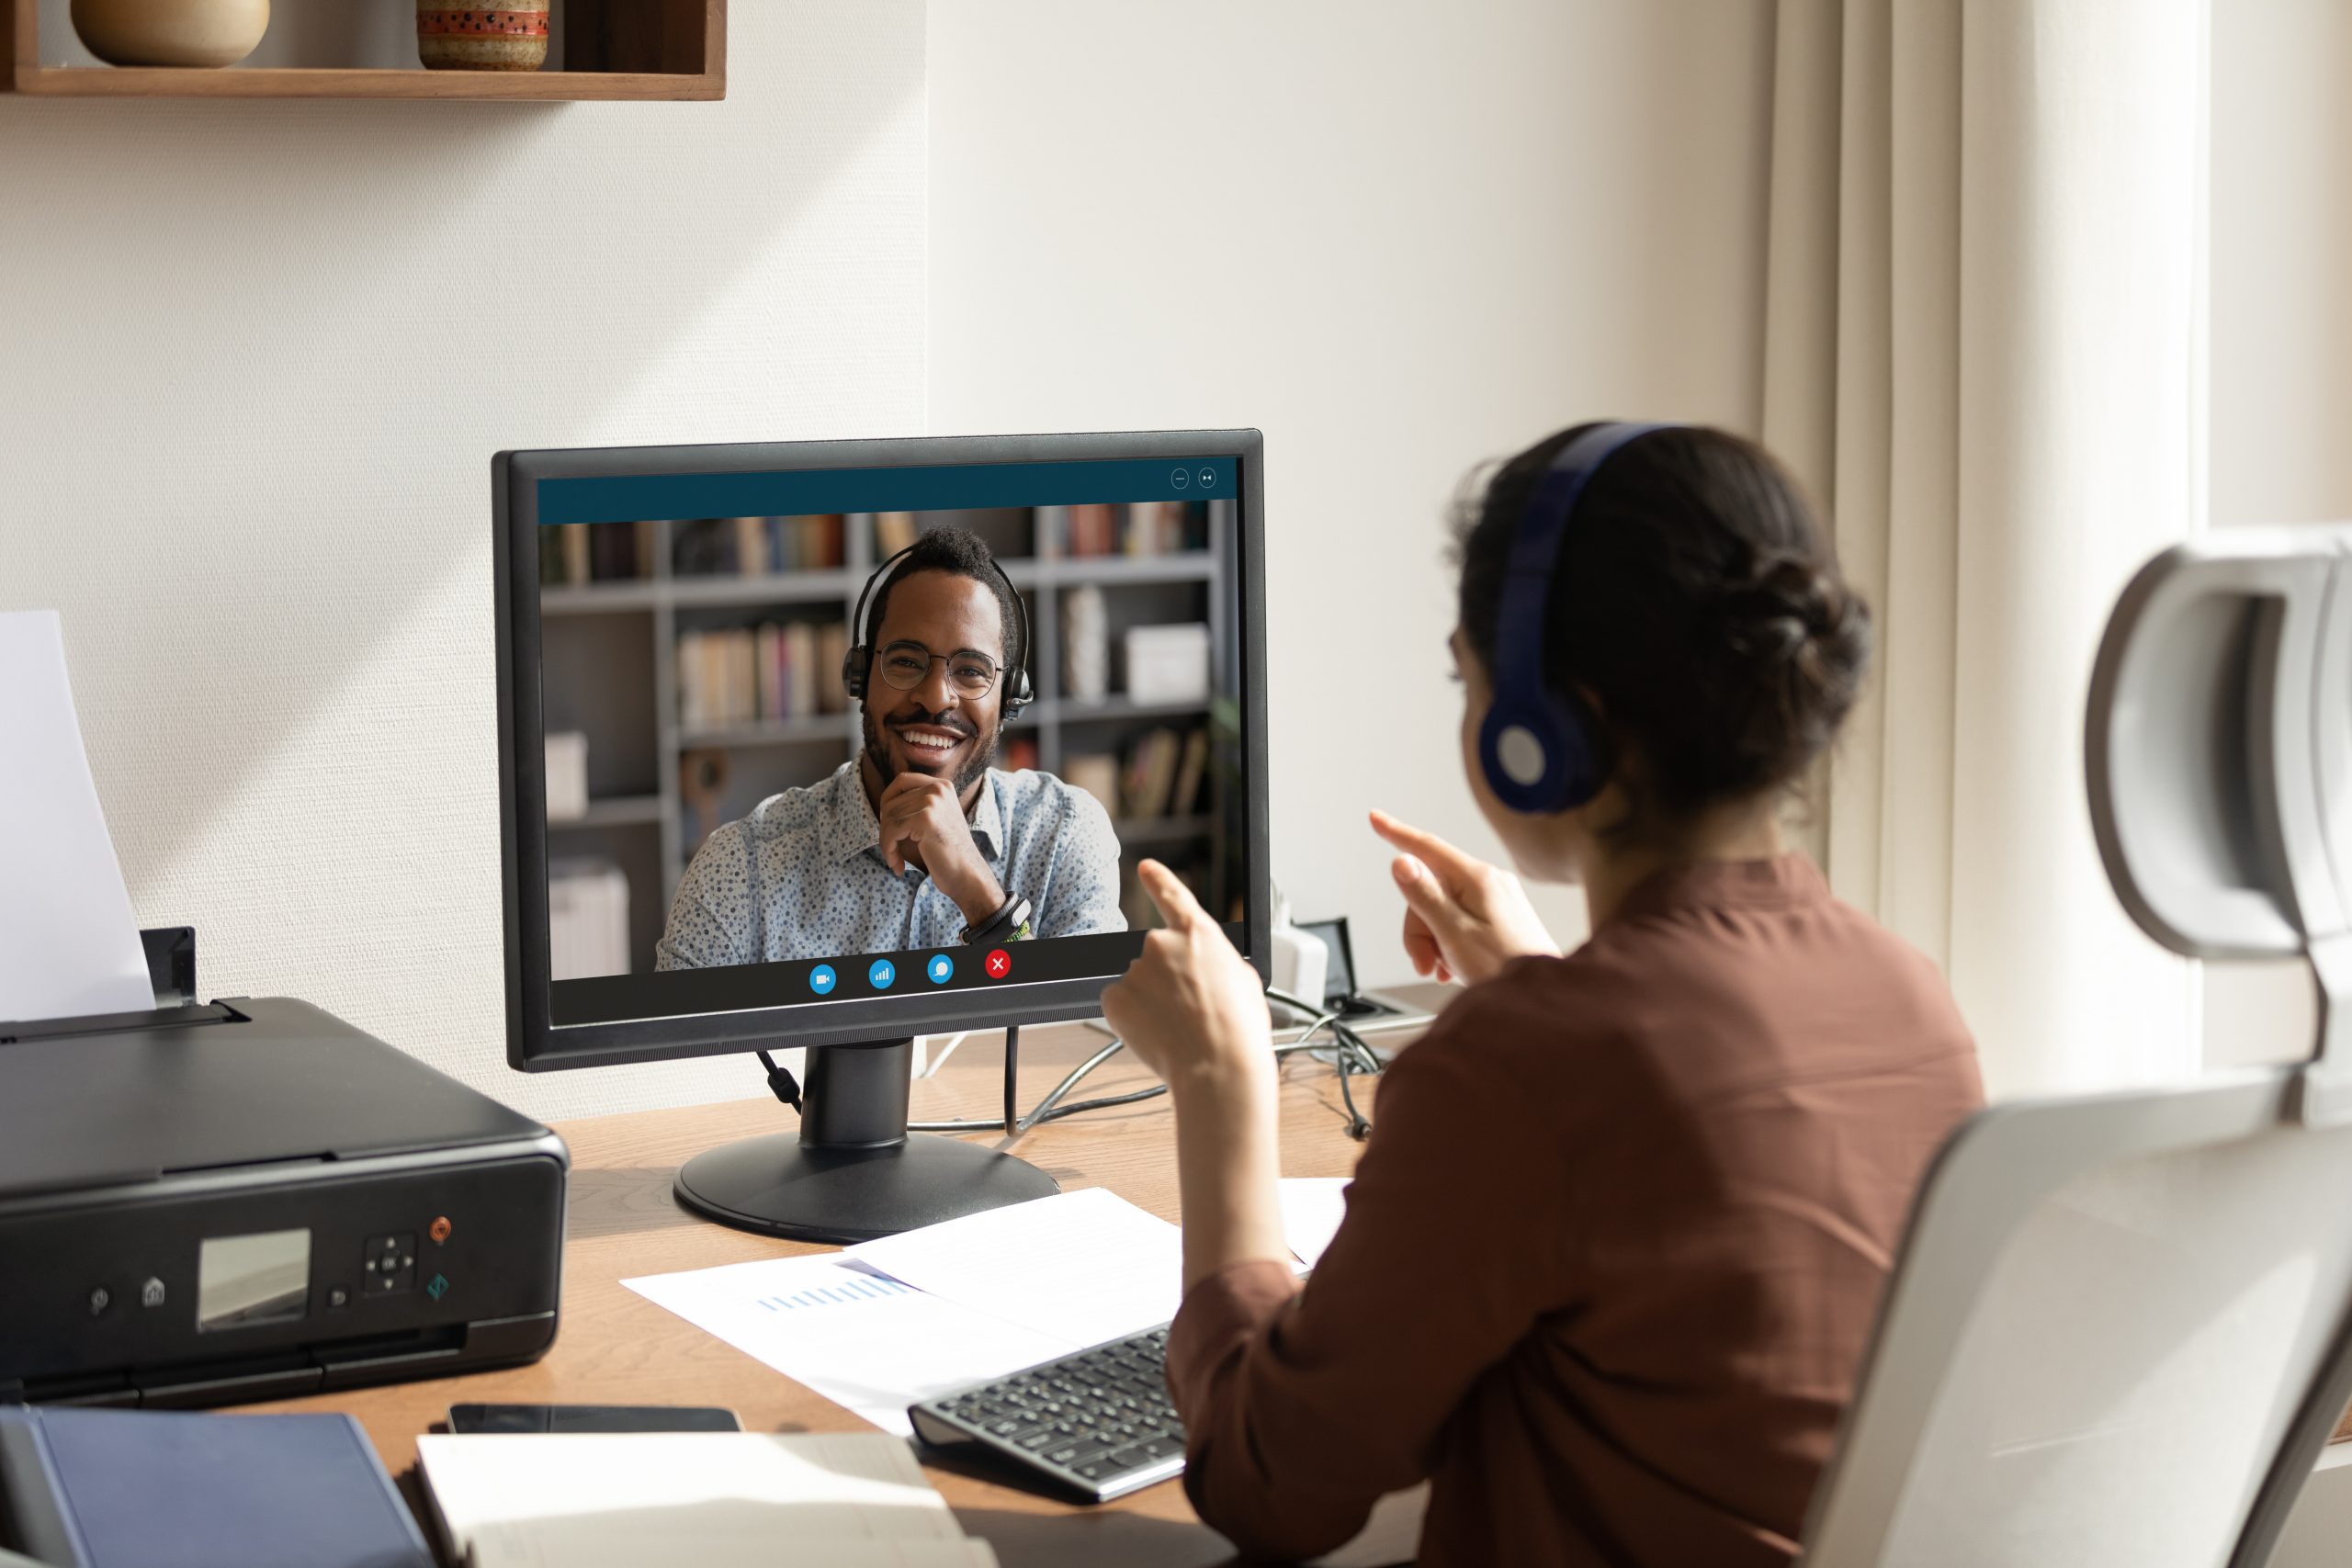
x,y
2120,1328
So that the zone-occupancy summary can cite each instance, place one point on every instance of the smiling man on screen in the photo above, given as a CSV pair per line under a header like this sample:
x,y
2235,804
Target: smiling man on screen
x,y
917,842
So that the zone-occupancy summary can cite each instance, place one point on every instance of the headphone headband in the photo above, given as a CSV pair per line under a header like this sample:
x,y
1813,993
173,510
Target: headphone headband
x,y
1539,749
1019,691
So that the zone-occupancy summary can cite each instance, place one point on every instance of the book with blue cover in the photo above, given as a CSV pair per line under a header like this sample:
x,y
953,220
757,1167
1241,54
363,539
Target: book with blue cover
x,y
163,1489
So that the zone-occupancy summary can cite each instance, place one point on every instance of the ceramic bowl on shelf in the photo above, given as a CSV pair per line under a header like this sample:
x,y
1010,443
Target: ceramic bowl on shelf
x,y
462,38
171,32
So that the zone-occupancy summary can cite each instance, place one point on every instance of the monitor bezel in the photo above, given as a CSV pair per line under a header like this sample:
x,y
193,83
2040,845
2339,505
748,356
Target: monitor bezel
x,y
534,1042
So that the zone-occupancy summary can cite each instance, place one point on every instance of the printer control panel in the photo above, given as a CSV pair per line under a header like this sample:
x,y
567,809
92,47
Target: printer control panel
x,y
316,1280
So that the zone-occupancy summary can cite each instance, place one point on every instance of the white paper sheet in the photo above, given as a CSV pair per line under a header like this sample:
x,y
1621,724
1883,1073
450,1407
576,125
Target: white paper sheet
x,y
1083,1266
669,1487
874,1345
1312,1209
591,1543
69,944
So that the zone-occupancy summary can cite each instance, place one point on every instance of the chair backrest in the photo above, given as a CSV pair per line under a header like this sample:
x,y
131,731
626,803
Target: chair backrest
x,y
2119,1330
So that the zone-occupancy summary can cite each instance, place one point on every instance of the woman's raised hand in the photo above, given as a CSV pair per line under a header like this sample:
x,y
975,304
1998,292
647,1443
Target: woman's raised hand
x,y
1463,918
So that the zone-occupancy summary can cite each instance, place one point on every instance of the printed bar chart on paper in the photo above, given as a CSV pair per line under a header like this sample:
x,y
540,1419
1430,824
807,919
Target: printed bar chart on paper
x,y
1085,1267
873,1343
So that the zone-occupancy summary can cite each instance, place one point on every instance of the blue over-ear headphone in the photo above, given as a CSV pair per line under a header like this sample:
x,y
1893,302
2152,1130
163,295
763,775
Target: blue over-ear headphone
x,y
1541,749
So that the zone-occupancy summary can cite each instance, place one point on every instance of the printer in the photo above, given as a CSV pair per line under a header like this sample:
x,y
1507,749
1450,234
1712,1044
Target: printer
x,y
250,1199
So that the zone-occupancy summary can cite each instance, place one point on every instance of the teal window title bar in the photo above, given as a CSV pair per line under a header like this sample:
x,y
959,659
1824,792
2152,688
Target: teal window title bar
x,y
635,498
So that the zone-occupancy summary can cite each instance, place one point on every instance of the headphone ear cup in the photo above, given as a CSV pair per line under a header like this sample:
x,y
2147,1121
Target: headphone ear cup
x,y
1542,758
854,666
1018,693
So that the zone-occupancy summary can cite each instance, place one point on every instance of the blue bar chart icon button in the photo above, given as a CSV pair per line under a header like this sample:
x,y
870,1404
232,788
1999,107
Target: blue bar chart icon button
x,y
820,979
882,973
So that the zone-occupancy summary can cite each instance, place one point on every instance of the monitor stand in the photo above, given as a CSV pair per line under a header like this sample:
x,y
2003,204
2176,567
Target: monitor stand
x,y
854,1172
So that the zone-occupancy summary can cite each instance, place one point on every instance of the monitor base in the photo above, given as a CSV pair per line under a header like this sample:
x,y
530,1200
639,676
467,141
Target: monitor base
x,y
778,1186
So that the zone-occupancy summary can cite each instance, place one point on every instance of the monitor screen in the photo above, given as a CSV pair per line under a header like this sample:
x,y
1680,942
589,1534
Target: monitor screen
x,y
816,743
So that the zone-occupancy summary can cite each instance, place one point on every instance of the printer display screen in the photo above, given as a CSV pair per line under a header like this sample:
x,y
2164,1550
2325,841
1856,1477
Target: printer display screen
x,y
242,1281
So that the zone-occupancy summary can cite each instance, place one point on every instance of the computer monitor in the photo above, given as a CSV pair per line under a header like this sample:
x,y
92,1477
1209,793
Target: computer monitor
x,y
1042,658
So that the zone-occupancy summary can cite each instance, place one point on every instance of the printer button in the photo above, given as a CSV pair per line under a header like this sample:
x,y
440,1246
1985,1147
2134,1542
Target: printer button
x,y
100,1299
389,1263
337,1298
151,1294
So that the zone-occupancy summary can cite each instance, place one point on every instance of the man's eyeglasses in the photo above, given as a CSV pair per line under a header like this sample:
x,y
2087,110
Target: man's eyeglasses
x,y
905,665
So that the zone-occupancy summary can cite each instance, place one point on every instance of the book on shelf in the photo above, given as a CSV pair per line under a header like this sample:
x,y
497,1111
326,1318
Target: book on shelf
x,y
832,652
893,532
1162,774
1098,774
752,546
1150,777
774,671
1186,799
1141,528
574,554
758,546
1020,752
567,775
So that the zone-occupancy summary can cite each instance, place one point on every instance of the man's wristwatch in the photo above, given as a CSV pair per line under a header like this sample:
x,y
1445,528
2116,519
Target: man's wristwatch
x,y
1010,922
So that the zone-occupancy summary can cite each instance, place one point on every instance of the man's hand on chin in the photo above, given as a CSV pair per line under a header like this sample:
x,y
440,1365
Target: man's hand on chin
x,y
923,825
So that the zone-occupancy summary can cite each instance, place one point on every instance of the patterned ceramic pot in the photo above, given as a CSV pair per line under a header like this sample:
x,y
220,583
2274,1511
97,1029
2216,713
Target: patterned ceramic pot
x,y
461,37
171,32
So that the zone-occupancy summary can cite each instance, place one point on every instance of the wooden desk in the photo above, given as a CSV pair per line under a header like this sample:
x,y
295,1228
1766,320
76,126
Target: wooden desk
x,y
615,1347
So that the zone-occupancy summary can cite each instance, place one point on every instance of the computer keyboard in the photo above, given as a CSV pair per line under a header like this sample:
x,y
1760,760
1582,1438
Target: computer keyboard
x,y
1097,1423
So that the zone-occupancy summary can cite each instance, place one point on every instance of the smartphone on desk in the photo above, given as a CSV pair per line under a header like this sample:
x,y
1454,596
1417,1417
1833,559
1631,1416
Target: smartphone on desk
x,y
569,1418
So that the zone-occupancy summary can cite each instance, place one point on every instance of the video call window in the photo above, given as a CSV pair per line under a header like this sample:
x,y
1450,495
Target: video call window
x,y
710,804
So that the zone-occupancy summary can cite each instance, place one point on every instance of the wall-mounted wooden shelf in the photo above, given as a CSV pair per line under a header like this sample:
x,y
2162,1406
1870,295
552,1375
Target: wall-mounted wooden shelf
x,y
641,50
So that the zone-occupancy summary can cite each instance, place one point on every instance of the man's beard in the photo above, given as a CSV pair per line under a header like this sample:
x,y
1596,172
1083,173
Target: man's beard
x,y
983,750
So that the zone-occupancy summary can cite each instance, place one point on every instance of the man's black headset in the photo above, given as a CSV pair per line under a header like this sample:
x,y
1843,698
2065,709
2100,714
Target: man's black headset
x,y
859,661
1541,751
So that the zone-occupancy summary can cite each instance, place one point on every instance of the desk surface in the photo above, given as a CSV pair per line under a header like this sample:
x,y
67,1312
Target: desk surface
x,y
615,1347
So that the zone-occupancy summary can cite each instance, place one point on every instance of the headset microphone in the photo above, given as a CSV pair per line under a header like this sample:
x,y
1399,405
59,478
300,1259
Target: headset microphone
x,y
1541,749
1019,691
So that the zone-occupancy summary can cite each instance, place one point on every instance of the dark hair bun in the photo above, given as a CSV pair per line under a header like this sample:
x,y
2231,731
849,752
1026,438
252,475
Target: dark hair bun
x,y
1697,603
1802,638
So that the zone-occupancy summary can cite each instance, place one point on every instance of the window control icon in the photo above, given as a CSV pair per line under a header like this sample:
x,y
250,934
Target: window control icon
x,y
388,1266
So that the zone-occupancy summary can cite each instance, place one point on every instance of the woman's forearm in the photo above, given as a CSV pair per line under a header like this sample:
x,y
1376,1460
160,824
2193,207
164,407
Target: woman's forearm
x,y
1228,1159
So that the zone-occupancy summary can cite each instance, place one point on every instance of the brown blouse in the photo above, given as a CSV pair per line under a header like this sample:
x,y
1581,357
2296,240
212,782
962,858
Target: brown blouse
x,y
1612,1251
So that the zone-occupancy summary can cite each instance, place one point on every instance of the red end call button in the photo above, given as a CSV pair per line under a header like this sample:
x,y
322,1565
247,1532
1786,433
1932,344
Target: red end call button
x,y
998,963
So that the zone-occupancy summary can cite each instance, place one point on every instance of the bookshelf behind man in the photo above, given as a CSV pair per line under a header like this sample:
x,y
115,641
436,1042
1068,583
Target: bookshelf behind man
x,y
700,659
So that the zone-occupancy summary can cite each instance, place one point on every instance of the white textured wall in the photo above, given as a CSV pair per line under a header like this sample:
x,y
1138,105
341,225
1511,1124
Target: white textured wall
x,y
1399,239
258,357
2281,357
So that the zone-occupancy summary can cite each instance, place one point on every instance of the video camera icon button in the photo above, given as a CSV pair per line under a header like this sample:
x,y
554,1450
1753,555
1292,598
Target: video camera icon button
x,y
941,969
820,979
882,973
998,963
